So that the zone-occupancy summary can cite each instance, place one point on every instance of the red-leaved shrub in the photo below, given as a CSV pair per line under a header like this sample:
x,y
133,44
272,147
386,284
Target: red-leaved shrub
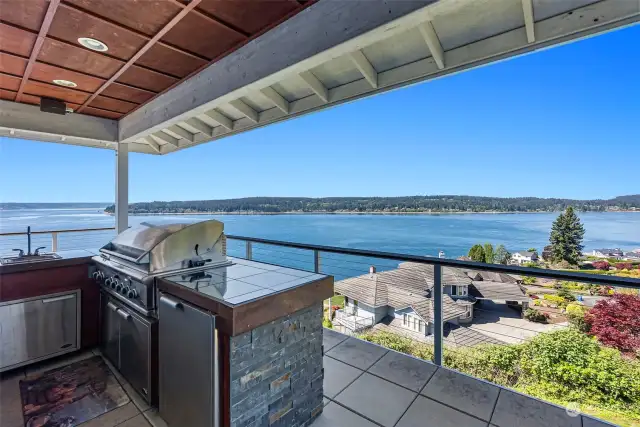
x,y
601,265
624,265
615,322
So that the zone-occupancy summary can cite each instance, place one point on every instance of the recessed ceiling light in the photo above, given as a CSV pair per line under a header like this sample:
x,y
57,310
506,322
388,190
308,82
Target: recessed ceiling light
x,y
65,83
93,44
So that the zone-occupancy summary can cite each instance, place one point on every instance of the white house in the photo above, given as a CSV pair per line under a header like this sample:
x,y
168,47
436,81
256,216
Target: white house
x,y
608,253
405,295
524,256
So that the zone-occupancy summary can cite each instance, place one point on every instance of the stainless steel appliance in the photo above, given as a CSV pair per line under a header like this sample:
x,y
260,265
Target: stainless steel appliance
x,y
38,328
126,270
188,364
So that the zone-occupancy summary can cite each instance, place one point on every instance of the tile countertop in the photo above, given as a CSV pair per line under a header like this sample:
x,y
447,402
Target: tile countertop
x,y
244,281
248,294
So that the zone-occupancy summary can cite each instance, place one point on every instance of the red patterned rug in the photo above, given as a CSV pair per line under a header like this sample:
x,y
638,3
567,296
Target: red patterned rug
x,y
73,394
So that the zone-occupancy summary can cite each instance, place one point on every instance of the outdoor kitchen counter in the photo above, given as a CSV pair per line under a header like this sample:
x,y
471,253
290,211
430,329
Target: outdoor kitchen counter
x,y
248,294
67,258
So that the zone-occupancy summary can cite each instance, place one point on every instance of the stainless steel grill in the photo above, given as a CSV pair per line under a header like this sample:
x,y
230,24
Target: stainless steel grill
x,y
126,270
128,265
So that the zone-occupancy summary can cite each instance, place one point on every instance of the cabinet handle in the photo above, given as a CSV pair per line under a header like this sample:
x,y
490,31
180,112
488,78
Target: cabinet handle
x,y
171,303
123,314
112,306
54,299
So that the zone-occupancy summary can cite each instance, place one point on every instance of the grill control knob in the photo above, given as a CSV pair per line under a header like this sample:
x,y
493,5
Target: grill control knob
x,y
132,294
119,286
125,290
114,283
107,281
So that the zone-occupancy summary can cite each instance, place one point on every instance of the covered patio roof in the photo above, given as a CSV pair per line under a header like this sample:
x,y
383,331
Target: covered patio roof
x,y
182,74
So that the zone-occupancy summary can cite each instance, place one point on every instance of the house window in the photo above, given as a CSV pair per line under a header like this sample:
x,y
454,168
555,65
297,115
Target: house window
x,y
454,290
419,325
404,319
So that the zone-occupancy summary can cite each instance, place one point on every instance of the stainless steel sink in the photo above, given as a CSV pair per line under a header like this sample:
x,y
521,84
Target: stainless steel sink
x,y
26,259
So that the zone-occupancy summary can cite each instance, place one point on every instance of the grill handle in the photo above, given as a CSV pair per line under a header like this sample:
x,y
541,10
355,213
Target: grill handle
x,y
171,303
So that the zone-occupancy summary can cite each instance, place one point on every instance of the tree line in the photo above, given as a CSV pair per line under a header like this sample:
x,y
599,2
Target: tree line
x,y
404,204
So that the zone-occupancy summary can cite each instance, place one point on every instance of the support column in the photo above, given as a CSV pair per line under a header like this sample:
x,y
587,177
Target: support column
x,y
122,187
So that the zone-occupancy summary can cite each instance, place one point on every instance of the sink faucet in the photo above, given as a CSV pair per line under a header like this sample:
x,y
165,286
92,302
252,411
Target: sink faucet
x,y
20,252
37,252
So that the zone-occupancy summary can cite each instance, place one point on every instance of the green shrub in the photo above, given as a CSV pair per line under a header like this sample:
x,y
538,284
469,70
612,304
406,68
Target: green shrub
x,y
533,315
528,280
555,299
566,294
327,323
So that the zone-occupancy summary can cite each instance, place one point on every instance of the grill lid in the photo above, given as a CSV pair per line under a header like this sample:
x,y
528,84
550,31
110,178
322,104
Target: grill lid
x,y
162,246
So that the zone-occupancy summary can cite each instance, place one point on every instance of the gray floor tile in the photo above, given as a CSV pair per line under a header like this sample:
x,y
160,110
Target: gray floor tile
x,y
358,353
376,399
114,417
334,415
467,394
325,401
138,421
337,376
514,409
154,418
427,413
592,422
331,338
404,370
10,401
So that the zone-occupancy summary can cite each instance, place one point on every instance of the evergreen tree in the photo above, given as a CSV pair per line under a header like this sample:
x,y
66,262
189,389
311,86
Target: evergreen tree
x,y
502,256
476,253
489,254
566,237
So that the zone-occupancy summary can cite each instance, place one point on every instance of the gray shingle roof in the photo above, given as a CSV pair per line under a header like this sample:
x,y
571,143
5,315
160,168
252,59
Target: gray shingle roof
x,y
498,291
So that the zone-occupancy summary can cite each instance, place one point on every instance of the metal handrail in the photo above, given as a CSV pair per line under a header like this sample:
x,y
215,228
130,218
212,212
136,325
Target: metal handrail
x,y
454,263
75,230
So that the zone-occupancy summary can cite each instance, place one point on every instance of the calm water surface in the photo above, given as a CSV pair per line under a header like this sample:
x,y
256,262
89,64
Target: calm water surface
x,y
414,234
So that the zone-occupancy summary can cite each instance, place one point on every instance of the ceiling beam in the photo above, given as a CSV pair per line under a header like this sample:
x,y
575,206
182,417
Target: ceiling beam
x,y
249,112
142,50
224,121
35,51
315,85
67,5
179,133
199,126
365,67
164,137
277,99
431,38
29,118
152,143
527,9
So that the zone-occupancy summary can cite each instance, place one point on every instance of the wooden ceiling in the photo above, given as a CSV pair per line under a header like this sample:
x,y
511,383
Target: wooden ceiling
x,y
152,45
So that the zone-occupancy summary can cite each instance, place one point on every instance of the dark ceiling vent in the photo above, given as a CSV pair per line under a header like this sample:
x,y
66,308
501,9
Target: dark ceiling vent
x,y
55,106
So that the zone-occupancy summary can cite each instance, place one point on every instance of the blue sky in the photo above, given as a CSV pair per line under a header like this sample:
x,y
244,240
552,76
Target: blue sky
x,y
563,122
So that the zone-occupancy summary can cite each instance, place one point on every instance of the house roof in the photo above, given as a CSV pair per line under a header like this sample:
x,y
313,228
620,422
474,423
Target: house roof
x,y
450,309
401,288
491,276
450,276
500,291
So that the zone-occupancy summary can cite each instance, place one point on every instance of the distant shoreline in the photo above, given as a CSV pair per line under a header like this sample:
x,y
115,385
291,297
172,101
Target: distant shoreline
x,y
359,213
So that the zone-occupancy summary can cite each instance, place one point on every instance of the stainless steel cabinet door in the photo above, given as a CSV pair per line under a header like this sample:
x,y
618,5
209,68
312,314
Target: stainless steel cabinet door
x,y
186,344
134,351
110,333
37,328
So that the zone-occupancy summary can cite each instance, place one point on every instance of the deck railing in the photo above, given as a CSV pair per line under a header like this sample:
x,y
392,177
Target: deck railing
x,y
494,322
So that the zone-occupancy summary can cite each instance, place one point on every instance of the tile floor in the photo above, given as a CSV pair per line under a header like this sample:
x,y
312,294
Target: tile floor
x,y
370,386
365,386
134,414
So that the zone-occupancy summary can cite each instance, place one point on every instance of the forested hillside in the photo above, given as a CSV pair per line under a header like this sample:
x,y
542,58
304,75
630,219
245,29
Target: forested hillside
x,y
406,204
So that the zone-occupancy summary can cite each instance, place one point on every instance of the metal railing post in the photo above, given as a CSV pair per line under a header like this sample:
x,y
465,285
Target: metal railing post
x,y
249,250
316,261
437,314
54,242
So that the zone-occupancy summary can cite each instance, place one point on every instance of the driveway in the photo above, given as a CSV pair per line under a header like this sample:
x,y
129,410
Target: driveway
x,y
505,324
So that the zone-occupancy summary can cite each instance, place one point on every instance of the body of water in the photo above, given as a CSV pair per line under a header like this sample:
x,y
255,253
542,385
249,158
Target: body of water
x,y
413,234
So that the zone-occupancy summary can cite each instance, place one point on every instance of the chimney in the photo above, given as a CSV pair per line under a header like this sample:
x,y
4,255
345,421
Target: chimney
x,y
372,269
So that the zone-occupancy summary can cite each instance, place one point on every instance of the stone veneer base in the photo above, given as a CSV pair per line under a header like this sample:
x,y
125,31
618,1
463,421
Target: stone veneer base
x,y
276,372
